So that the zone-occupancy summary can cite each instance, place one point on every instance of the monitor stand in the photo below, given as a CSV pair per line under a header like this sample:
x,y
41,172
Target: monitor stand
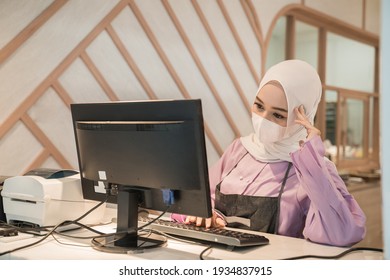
x,y
127,238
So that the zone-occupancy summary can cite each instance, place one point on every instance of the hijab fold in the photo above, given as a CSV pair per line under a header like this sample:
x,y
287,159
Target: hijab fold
x,y
302,86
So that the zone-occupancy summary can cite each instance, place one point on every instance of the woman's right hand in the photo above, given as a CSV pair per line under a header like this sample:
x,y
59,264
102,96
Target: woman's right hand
x,y
214,221
302,119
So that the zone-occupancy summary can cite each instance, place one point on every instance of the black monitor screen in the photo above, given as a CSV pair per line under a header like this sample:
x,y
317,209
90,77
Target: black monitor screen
x,y
151,153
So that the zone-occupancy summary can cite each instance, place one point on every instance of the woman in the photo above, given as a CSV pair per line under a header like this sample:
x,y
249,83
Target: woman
x,y
277,179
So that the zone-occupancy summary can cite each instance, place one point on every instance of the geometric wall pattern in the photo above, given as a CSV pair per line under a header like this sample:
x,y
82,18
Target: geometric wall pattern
x,y
58,52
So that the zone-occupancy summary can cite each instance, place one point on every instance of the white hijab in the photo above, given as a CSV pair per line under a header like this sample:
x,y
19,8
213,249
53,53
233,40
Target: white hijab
x,y
302,86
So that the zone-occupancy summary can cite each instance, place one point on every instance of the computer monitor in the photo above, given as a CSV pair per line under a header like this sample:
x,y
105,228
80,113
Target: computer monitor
x,y
144,154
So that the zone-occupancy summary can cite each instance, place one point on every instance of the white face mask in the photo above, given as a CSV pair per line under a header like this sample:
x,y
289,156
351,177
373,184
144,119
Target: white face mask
x,y
267,131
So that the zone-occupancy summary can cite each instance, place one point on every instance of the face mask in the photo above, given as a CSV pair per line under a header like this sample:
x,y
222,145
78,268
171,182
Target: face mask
x,y
267,131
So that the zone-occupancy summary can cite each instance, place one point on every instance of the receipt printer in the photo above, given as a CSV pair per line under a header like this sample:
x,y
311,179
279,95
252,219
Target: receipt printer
x,y
47,197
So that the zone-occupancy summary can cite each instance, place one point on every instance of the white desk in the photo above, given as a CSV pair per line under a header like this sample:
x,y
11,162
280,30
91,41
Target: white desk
x,y
280,247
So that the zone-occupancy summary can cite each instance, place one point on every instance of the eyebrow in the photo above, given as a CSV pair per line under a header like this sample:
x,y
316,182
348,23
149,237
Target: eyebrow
x,y
275,108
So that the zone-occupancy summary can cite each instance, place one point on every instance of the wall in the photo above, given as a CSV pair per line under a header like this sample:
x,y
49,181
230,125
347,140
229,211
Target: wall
x,y
56,52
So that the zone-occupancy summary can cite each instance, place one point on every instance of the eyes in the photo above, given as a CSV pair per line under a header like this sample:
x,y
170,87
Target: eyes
x,y
260,108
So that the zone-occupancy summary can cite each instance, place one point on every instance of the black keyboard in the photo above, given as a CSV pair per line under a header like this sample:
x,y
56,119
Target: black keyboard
x,y
216,235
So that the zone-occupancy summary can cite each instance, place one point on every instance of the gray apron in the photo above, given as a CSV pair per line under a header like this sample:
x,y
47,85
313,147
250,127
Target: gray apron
x,y
259,213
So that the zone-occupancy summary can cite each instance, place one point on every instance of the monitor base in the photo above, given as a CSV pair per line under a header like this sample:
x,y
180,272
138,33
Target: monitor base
x,y
109,244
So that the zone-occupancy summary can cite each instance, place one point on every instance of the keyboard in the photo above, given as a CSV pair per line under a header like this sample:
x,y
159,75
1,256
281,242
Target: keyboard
x,y
215,235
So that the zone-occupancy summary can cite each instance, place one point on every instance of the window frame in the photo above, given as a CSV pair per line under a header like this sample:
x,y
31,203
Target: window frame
x,y
325,24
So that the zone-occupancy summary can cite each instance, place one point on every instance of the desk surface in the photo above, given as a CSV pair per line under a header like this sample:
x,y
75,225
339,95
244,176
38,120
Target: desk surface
x,y
280,247
68,248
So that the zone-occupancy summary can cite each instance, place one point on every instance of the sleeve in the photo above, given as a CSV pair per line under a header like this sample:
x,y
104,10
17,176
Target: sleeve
x,y
334,217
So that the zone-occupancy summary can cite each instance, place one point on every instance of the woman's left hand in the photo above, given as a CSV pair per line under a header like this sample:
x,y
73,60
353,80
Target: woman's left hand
x,y
303,120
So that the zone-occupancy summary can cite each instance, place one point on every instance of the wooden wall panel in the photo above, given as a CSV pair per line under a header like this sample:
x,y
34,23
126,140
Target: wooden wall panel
x,y
246,40
113,67
265,12
371,23
87,51
18,147
350,11
81,85
19,19
227,46
46,49
51,106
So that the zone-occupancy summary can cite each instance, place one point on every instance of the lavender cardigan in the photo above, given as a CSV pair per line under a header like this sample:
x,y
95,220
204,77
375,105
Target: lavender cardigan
x,y
315,204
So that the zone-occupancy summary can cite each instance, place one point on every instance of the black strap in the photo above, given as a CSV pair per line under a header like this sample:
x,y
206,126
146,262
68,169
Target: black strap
x,y
280,196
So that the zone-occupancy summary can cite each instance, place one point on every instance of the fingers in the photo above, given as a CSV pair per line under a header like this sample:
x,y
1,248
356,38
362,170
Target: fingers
x,y
215,221
208,222
301,115
219,222
301,110
198,221
302,118
304,121
190,220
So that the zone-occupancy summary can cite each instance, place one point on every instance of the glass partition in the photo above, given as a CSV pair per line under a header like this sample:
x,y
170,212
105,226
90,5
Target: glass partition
x,y
352,128
349,64
306,43
277,44
347,68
